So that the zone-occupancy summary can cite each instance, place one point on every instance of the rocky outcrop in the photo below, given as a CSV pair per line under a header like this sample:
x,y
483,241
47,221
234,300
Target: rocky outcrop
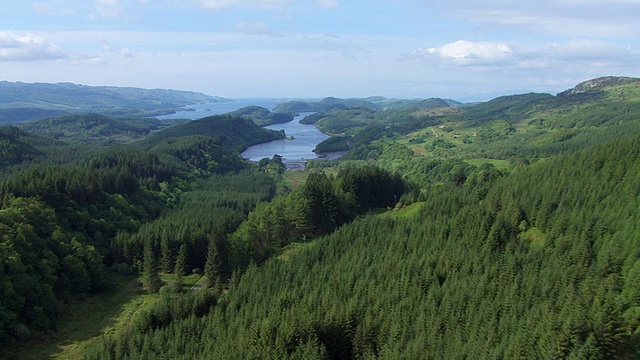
x,y
598,84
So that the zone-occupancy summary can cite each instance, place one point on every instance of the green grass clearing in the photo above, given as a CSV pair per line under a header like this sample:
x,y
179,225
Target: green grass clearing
x,y
499,164
404,212
294,179
83,322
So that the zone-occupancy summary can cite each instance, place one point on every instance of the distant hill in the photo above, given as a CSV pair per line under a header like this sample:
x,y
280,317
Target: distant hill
x,y
94,128
585,100
324,105
373,102
22,148
412,104
508,107
20,102
13,147
262,116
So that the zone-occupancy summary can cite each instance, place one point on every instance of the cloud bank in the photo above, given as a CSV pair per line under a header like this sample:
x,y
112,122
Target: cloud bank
x,y
28,48
577,52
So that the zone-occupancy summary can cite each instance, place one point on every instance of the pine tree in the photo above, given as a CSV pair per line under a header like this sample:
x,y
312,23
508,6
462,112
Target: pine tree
x,y
166,254
153,280
212,266
181,260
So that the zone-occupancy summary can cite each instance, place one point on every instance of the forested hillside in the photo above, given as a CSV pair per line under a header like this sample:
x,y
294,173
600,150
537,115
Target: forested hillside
x,y
95,128
506,229
234,132
531,265
60,220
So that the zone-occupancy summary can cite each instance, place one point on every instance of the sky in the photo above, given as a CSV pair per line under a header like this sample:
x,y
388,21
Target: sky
x,y
466,50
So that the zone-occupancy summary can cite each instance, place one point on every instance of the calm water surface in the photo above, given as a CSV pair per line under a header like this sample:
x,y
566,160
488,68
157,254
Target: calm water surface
x,y
306,137
294,152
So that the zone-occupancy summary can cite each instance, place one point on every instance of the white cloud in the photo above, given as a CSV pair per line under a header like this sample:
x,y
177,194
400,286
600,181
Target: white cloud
x,y
28,47
464,52
576,52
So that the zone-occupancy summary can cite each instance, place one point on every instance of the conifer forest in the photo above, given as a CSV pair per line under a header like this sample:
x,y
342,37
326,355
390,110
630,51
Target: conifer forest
x,y
506,229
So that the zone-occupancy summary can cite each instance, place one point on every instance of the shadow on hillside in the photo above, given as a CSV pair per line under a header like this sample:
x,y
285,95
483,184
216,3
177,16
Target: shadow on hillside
x,y
84,320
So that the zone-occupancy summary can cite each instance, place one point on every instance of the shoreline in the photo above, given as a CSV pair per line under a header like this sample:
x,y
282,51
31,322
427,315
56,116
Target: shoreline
x,y
300,164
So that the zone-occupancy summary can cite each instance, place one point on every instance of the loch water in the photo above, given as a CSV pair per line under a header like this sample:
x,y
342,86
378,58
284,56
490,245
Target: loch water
x,y
298,147
295,150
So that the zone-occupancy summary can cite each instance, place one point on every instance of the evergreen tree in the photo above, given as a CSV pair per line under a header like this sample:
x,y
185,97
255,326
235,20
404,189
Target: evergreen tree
x,y
322,203
181,261
153,280
212,266
165,254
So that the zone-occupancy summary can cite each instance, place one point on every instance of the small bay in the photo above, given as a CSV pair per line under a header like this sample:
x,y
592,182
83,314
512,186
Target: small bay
x,y
199,111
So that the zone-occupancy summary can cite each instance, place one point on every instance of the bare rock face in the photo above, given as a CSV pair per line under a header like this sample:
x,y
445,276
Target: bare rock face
x,y
597,84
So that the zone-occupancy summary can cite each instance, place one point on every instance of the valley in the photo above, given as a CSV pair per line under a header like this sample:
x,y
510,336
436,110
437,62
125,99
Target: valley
x,y
500,229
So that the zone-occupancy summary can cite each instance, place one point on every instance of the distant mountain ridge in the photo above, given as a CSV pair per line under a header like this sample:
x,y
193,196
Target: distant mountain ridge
x,y
21,102
373,102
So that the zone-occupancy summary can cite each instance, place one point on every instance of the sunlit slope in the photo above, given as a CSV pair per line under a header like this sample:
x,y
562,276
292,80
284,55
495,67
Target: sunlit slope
x,y
532,126
539,264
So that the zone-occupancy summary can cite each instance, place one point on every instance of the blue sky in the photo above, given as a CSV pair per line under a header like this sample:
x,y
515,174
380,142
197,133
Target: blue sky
x,y
460,49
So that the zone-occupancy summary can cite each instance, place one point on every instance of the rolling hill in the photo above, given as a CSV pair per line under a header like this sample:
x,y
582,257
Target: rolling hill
x,y
20,102
262,116
94,128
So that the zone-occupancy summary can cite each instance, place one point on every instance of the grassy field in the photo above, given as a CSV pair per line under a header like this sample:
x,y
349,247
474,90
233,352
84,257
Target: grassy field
x,y
85,321
499,164
407,211
293,179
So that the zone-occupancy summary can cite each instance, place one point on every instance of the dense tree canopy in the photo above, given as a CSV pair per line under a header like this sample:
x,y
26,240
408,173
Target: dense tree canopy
x,y
504,230
518,271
